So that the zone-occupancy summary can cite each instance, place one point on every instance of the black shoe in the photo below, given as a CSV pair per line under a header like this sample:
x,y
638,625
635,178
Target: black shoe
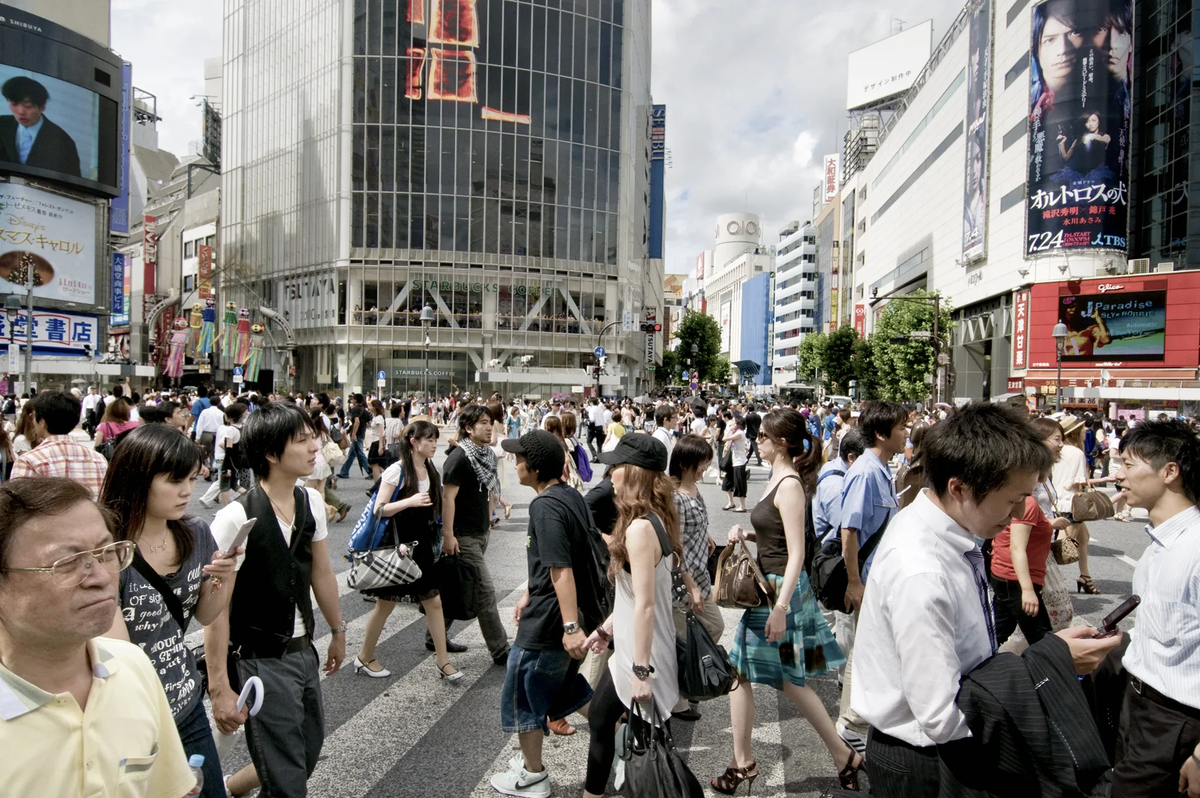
x,y
451,647
691,714
501,659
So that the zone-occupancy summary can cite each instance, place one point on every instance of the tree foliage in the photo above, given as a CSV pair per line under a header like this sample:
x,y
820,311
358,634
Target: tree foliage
x,y
670,370
812,355
720,371
903,365
703,331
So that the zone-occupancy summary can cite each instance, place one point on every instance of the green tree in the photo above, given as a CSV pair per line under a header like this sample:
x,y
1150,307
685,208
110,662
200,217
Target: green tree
x,y
720,371
838,366
703,331
669,371
867,383
903,365
811,354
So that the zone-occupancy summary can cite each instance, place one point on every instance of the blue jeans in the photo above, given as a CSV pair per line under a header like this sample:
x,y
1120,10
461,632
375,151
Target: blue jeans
x,y
356,450
540,685
197,738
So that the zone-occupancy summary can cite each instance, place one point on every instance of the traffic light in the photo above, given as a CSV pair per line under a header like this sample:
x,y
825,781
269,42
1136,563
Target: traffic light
x,y
651,327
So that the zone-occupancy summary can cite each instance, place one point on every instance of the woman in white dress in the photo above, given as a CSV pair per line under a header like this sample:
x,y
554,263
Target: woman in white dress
x,y
1070,477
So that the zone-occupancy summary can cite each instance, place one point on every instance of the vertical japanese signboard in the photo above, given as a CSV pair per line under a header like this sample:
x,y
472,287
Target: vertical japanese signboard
x,y
119,299
204,284
149,253
975,195
830,181
1020,334
860,320
1080,107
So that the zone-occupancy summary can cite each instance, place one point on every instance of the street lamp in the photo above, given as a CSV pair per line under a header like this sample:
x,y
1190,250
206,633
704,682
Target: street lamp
x,y
12,309
695,350
1060,336
427,318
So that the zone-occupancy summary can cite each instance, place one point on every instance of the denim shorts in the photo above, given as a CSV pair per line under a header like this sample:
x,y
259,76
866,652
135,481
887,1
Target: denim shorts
x,y
540,685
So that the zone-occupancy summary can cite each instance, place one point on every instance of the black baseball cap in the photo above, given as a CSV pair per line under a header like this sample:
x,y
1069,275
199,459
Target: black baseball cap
x,y
543,453
637,449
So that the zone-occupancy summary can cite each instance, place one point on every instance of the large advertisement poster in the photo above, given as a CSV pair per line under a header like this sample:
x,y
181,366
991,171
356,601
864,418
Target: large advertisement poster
x,y
726,314
53,236
47,123
979,83
1080,107
1125,326
118,217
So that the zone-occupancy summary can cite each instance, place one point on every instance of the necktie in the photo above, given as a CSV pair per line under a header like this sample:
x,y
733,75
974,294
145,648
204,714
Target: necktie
x,y
975,558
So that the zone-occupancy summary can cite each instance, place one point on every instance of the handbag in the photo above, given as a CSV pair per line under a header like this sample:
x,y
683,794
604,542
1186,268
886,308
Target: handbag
x,y
653,768
369,528
704,670
1064,548
458,582
829,577
1056,597
333,454
1091,505
740,582
386,567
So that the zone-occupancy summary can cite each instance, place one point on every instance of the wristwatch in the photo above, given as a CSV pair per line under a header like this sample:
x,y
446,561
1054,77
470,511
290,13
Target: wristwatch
x,y
643,671
570,628
338,630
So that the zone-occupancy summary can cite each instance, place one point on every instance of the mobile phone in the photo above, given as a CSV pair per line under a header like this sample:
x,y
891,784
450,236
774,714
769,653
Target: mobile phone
x,y
1113,618
242,534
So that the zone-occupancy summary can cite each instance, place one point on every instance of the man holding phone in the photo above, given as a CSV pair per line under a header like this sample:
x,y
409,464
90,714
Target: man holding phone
x,y
1158,751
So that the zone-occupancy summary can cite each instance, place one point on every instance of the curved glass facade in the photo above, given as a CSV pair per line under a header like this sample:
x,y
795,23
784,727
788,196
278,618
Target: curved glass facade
x,y
488,126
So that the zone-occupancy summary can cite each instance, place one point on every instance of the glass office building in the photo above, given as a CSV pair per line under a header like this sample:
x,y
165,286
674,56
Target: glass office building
x,y
487,158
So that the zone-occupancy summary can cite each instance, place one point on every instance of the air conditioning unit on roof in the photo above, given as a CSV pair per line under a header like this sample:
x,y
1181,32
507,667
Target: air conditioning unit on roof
x,y
1139,266
1165,266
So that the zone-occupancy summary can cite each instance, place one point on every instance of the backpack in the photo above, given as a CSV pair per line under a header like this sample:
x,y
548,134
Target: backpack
x,y
582,463
810,528
594,585
10,408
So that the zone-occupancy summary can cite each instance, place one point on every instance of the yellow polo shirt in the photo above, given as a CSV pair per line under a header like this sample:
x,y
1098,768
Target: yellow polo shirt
x,y
123,745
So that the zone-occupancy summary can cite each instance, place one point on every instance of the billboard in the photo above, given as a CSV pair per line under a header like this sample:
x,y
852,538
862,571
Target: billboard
x,y
52,235
62,95
54,333
726,313
975,193
888,67
119,301
1079,120
309,301
149,254
204,278
1020,336
832,172
1114,326
118,216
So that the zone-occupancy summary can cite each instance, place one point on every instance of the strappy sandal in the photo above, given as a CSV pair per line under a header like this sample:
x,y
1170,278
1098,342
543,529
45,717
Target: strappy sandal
x,y
728,782
848,776
1084,584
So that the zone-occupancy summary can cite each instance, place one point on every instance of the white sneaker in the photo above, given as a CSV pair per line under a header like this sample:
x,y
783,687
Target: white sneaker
x,y
519,782
852,738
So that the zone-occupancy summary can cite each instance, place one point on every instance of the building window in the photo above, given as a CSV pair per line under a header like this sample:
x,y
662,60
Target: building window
x,y
189,249
189,282
1017,70
1012,198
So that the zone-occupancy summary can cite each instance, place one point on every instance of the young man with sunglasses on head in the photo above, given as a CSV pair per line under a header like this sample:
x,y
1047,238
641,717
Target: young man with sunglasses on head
x,y
79,714
1158,752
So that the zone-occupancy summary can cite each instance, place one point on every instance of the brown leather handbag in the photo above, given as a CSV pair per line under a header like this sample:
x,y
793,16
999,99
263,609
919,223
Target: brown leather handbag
x,y
1091,505
740,582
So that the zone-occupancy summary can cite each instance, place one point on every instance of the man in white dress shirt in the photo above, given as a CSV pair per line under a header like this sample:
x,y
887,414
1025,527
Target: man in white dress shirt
x,y
1158,752
666,419
926,616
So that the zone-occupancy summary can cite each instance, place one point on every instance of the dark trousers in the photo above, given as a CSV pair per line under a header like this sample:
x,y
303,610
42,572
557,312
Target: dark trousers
x,y
900,770
752,451
1157,737
1010,614
355,452
286,736
595,438
604,712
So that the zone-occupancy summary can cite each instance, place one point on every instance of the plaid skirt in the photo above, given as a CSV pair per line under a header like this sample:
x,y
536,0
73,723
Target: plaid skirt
x,y
807,635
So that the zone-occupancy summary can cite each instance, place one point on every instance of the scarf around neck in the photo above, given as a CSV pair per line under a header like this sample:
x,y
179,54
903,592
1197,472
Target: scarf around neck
x,y
483,460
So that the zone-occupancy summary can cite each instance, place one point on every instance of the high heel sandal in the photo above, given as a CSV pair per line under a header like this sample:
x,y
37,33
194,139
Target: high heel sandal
x,y
450,677
1084,584
728,782
361,667
848,776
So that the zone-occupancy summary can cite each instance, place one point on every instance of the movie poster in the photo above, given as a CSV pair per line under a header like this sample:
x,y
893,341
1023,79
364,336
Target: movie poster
x,y
1080,107
1110,326
979,84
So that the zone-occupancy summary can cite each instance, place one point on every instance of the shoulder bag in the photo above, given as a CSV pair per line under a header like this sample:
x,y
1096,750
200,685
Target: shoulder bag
x,y
704,671
384,567
1091,505
170,600
1063,546
829,577
740,582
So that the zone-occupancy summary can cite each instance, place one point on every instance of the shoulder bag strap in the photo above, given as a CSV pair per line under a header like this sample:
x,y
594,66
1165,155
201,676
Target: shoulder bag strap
x,y
869,546
174,605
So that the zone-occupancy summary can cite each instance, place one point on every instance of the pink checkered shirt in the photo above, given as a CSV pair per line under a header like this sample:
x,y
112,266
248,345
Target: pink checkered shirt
x,y
59,456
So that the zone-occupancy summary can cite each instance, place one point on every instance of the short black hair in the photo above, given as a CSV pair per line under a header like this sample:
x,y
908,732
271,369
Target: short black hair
x,y
59,409
981,444
691,451
663,413
880,418
854,442
471,415
1162,442
20,88
268,431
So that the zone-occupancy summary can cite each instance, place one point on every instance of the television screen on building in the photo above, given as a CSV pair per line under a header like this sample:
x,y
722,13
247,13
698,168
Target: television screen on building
x,y
1117,327
1080,107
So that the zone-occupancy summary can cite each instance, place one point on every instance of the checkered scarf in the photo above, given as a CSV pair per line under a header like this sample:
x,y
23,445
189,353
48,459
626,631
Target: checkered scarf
x,y
483,460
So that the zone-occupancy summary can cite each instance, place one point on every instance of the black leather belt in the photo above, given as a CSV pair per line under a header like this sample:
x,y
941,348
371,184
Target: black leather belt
x,y
1150,694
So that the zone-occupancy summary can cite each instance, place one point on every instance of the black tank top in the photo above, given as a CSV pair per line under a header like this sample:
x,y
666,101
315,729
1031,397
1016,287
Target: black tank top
x,y
768,532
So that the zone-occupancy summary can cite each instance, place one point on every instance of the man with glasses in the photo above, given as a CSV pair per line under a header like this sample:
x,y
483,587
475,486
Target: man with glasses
x,y
79,713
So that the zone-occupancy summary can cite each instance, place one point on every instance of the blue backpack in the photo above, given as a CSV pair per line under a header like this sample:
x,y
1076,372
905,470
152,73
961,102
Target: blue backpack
x,y
582,463
370,528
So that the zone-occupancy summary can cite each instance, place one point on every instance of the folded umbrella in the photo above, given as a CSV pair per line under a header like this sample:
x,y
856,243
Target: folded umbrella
x,y
225,741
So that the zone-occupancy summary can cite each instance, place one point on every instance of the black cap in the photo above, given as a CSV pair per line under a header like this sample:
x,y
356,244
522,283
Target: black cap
x,y
637,449
543,453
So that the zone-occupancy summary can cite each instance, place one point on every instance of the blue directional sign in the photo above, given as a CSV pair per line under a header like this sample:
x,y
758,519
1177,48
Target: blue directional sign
x,y
685,374
381,375
237,371
599,351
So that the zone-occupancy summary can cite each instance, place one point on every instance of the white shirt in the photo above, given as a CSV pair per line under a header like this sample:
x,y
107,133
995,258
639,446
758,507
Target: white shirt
x,y
922,627
667,440
231,517
699,426
227,435
210,420
737,446
596,415
1164,646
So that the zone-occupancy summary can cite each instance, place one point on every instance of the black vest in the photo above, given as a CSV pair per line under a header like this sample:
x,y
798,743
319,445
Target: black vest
x,y
274,579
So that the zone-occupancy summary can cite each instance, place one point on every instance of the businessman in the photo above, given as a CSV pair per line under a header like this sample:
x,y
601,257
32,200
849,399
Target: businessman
x,y
28,136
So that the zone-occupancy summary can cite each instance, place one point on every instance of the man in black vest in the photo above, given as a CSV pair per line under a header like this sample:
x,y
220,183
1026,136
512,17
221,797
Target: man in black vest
x,y
269,628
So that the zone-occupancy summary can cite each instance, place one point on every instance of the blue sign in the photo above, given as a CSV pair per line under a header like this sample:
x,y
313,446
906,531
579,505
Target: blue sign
x,y
54,333
381,375
685,374
120,314
694,386
237,371
599,351
118,219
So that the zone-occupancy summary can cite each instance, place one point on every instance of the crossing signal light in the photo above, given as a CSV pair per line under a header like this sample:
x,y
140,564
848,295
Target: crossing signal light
x,y
651,327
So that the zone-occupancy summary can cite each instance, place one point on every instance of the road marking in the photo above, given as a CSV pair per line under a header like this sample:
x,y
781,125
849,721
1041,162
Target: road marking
x,y
1125,558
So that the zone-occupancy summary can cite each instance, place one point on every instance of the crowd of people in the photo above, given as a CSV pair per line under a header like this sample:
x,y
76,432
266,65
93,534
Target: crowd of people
x,y
962,669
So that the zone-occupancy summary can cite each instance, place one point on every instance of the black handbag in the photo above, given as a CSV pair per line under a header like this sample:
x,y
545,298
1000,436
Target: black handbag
x,y
458,583
704,670
653,768
829,578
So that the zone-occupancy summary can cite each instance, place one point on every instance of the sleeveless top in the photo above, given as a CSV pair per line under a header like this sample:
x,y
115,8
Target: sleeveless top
x,y
664,683
768,532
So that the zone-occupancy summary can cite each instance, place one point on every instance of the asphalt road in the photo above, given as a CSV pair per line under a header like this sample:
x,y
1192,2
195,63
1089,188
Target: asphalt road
x,y
414,735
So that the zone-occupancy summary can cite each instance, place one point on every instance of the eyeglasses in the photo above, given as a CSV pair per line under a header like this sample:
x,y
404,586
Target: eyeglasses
x,y
71,571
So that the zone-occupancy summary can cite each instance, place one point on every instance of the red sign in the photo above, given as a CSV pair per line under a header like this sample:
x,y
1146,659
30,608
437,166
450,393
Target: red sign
x,y
149,253
1016,385
204,286
860,320
831,177
1020,335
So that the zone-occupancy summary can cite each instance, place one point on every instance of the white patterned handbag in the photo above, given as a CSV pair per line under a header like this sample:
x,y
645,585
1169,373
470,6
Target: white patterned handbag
x,y
388,567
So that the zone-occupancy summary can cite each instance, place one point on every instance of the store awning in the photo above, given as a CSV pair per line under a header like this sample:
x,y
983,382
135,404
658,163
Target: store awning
x,y
748,368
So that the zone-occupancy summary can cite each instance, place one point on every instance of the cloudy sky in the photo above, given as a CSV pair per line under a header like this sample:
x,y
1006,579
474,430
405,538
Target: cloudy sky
x,y
755,94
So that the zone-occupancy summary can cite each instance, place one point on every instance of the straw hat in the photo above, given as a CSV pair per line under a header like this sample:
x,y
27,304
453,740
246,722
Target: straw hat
x,y
1069,424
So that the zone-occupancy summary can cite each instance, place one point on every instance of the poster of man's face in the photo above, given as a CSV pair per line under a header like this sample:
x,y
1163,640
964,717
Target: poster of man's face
x,y
46,123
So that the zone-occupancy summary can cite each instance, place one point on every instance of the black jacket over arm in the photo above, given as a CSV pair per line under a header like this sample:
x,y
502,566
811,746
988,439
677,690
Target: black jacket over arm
x,y
1033,730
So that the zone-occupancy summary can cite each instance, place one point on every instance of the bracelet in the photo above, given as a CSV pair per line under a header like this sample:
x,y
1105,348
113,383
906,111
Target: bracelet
x,y
338,630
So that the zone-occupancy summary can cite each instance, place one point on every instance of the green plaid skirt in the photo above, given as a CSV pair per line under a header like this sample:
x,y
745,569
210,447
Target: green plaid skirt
x,y
807,635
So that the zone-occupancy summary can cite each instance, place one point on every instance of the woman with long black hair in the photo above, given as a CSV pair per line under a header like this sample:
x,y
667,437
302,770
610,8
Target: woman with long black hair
x,y
414,517
147,488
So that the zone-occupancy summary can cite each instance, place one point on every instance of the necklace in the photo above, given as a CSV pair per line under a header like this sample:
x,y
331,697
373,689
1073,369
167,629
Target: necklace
x,y
160,546
278,512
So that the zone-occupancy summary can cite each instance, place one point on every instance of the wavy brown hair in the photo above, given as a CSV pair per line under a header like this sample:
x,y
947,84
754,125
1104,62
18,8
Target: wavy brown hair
x,y
643,492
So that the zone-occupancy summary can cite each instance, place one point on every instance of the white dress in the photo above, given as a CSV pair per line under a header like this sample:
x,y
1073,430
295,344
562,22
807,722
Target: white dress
x,y
321,470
